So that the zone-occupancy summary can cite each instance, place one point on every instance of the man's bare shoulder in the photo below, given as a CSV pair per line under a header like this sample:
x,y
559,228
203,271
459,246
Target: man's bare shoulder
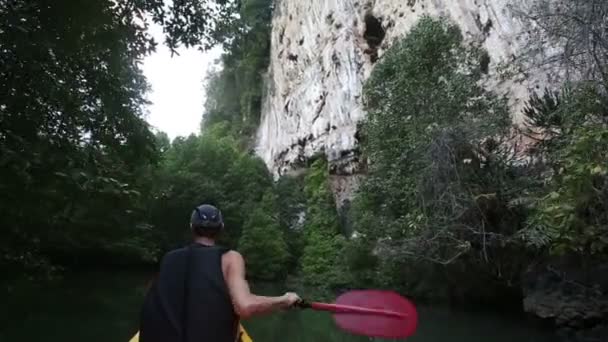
x,y
232,254
232,264
232,257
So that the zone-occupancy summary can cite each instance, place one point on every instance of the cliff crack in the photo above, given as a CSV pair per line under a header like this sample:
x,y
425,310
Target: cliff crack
x,y
374,35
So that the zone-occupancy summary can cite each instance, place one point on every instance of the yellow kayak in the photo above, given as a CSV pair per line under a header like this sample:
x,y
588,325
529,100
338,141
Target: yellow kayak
x,y
243,336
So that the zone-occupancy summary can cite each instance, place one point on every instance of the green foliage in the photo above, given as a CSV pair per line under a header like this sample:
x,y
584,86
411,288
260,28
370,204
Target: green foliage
x,y
77,155
263,243
320,261
84,178
290,193
541,111
321,214
444,200
73,142
234,94
438,183
207,169
571,213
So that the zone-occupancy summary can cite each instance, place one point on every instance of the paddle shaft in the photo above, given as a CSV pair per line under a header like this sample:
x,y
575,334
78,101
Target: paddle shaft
x,y
349,309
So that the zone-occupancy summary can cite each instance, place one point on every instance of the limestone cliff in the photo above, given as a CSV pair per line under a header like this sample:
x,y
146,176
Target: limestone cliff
x,y
323,50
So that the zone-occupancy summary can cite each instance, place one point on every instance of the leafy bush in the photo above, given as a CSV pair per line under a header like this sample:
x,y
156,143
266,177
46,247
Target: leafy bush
x,y
320,261
292,213
571,209
263,243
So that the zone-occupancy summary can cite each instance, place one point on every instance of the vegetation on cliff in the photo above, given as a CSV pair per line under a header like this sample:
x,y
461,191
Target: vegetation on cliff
x,y
323,243
234,93
263,241
439,185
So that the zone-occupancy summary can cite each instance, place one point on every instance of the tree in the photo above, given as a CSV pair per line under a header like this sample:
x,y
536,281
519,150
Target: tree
x,y
438,182
209,168
320,261
234,94
263,243
72,135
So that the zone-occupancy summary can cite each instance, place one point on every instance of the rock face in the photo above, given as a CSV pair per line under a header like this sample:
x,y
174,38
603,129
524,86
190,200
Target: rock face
x,y
572,297
323,50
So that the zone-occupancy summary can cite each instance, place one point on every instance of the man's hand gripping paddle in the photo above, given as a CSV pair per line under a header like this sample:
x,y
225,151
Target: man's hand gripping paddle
x,y
373,313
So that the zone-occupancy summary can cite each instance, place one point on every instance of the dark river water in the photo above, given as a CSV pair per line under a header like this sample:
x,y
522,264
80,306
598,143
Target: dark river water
x,y
104,307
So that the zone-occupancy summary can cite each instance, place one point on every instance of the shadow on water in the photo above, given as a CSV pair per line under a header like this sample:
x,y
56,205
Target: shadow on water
x,y
92,307
98,307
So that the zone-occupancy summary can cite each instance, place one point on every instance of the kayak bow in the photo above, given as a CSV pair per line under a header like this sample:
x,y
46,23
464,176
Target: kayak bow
x,y
243,336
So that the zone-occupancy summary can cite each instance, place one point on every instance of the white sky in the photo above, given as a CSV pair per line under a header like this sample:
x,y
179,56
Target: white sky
x,y
177,93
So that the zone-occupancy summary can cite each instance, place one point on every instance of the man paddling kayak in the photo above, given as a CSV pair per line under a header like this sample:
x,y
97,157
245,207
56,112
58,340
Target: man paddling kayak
x,y
201,292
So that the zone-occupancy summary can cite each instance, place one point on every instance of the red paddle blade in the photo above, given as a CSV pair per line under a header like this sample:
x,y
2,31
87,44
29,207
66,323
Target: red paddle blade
x,y
392,316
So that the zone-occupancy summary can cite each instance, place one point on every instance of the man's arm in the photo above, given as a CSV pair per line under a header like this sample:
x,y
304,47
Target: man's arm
x,y
245,303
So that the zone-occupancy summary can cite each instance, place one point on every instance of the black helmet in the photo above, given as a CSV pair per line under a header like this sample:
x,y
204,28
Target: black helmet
x,y
207,217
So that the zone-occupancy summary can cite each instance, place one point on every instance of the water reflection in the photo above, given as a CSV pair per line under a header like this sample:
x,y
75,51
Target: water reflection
x,y
435,325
